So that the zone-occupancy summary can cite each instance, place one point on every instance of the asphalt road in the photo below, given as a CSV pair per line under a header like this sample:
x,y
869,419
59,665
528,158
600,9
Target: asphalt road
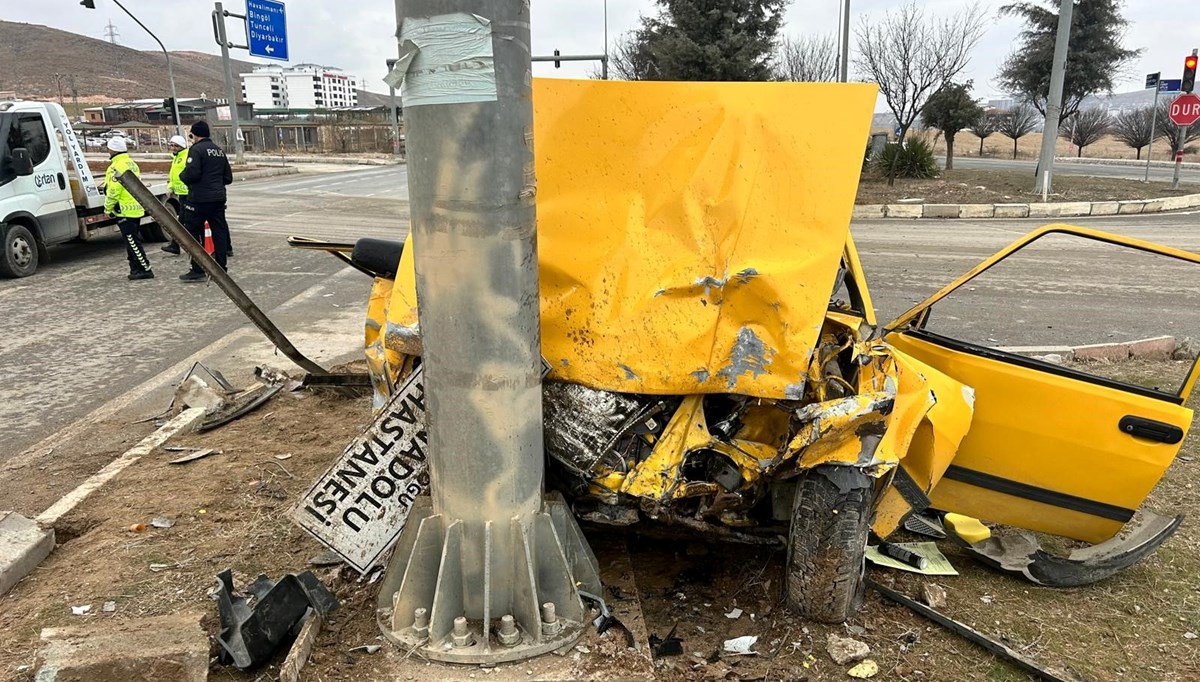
x,y
1096,170
78,334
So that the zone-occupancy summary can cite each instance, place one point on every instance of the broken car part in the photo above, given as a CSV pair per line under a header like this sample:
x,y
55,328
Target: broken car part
x,y
1019,552
246,403
965,631
166,218
250,634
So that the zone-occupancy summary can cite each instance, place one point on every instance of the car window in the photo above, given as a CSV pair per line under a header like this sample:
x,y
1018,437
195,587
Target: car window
x,y
1088,306
34,137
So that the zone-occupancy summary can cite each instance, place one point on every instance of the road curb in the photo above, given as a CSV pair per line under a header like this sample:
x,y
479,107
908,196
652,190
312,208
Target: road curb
x,y
265,173
1155,348
23,546
1070,209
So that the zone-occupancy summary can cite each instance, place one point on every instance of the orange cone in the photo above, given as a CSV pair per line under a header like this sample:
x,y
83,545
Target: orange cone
x,y
208,240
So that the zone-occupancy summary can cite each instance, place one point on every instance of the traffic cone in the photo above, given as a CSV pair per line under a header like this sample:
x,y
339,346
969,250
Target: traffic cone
x,y
208,240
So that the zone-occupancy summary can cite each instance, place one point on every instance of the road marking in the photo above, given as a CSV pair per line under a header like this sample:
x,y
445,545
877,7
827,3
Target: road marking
x,y
72,499
157,381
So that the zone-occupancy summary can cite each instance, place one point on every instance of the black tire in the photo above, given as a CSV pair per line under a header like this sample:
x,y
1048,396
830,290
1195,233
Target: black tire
x,y
831,517
153,233
20,255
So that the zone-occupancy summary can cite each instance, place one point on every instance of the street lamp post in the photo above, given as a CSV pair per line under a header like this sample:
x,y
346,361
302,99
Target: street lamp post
x,y
91,4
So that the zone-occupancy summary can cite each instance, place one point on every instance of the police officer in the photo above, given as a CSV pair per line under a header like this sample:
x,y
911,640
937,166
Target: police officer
x,y
175,186
206,173
120,204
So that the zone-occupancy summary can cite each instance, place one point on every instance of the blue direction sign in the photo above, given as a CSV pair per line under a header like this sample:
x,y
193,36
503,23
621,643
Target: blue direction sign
x,y
266,29
1170,85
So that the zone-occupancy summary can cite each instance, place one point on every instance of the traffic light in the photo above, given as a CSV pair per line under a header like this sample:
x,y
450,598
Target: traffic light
x,y
1189,73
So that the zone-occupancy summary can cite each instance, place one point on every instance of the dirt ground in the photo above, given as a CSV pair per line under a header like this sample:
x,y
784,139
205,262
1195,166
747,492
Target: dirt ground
x,y
229,511
970,186
996,146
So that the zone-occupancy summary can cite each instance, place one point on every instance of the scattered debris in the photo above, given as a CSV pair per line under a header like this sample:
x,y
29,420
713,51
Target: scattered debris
x,y
326,558
606,620
109,607
925,524
865,670
251,634
1052,358
284,456
987,599
373,648
667,646
277,377
741,646
1190,635
195,392
158,568
302,648
137,528
932,561
734,614
198,454
81,610
933,595
161,522
845,650
1016,658
249,401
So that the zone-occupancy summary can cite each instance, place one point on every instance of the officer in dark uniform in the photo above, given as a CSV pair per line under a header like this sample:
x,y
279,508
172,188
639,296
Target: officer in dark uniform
x,y
206,174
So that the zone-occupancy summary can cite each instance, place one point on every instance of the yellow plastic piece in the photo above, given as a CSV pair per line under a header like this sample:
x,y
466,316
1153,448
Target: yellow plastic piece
x,y
688,233
967,528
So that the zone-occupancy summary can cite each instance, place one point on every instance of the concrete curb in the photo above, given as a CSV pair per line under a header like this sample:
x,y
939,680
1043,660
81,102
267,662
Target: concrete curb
x,y
1123,162
23,545
1050,210
265,173
1156,348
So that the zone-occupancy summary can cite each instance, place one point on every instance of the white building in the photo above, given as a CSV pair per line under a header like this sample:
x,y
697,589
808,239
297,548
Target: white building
x,y
304,86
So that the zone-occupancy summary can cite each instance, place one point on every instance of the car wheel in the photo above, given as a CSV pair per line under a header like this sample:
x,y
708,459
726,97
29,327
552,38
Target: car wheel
x,y
20,257
152,233
826,542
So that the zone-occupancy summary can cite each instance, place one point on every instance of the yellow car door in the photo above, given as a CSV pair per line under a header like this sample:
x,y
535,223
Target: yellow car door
x,y
1068,446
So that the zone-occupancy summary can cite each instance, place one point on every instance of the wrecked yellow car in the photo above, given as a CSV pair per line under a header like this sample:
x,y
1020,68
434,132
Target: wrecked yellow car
x,y
714,362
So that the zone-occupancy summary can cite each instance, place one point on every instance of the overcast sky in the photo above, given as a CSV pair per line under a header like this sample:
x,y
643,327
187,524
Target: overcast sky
x,y
358,35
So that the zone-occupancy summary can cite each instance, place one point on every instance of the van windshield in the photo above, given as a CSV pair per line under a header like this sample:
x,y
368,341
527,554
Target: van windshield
x,y
7,132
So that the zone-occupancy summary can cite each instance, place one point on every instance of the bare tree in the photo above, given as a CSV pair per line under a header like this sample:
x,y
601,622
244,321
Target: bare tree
x,y
1017,123
807,58
630,59
1086,127
912,57
1164,129
1134,127
984,125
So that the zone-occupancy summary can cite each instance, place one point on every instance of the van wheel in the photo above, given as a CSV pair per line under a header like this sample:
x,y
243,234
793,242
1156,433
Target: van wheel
x,y
20,257
152,233
831,517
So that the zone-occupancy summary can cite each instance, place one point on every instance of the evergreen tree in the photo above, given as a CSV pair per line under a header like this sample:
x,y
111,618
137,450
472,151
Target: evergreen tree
x,y
1095,55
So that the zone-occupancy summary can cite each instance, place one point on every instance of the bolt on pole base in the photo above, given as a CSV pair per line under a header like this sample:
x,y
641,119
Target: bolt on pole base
x,y
423,597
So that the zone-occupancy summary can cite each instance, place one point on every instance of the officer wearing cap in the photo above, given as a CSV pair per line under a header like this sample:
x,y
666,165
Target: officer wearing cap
x,y
175,186
120,204
206,173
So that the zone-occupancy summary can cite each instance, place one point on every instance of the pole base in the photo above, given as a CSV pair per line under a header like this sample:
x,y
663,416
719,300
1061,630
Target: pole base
x,y
423,600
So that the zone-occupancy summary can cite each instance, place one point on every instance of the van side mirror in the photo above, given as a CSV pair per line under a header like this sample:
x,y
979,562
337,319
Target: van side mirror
x,y
22,162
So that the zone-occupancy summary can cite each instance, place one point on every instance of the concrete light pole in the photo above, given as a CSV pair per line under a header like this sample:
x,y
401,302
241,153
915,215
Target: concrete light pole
x,y
494,573
844,66
1045,168
91,4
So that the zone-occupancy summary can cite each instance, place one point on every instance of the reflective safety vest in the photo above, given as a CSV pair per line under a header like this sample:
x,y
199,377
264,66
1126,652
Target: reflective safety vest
x,y
178,187
117,200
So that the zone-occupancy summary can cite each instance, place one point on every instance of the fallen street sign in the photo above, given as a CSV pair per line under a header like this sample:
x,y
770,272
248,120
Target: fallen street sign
x,y
359,506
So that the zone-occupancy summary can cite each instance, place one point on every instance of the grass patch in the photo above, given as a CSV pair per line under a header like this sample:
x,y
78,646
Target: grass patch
x,y
973,186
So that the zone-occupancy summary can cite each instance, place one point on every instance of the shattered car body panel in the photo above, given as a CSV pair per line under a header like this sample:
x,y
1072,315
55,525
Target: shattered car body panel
x,y
705,354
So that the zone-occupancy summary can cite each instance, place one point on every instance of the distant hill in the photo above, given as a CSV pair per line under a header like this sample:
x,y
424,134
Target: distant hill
x,y
30,55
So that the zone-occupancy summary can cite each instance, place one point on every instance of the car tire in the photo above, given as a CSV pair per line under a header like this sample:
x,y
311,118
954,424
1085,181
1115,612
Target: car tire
x,y
153,233
831,518
20,253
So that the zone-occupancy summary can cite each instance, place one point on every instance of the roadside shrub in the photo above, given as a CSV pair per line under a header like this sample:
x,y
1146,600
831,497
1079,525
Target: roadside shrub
x,y
913,159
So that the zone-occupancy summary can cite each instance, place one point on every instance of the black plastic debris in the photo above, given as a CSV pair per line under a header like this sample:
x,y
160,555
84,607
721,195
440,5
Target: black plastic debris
x,y
606,620
667,646
253,627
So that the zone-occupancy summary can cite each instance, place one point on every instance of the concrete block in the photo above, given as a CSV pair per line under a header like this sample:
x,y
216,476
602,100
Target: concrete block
x,y
1065,351
1130,207
941,211
1153,206
1105,207
1039,210
1102,351
1012,210
903,210
23,545
868,211
140,650
1069,208
1179,203
1159,348
977,211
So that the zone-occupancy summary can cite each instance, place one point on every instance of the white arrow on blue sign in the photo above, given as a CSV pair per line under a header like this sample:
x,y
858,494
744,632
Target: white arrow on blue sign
x,y
266,29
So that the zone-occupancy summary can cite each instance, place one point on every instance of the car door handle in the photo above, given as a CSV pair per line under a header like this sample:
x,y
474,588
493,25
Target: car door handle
x,y
1151,429
62,182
